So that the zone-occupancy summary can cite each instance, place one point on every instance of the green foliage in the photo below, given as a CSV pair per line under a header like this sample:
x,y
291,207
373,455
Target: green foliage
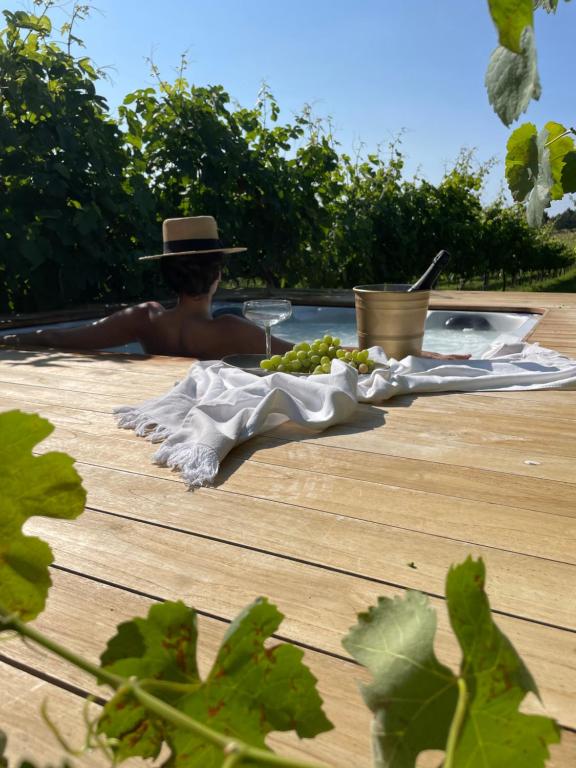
x,y
251,690
512,79
264,182
550,6
540,167
511,18
83,193
419,704
535,174
494,731
31,485
413,696
70,219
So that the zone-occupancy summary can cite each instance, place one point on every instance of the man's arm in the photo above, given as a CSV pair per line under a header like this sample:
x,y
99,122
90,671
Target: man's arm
x,y
120,328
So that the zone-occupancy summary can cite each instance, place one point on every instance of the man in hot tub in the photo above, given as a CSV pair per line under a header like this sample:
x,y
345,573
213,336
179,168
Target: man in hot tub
x,y
191,264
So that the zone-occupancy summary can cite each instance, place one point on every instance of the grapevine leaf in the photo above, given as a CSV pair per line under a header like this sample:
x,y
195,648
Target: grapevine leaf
x,y
45,485
511,18
542,193
569,173
25,20
550,6
250,691
413,696
540,168
494,732
522,161
512,79
560,143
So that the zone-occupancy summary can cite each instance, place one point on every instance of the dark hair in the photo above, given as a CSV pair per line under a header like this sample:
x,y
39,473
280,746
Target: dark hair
x,y
192,275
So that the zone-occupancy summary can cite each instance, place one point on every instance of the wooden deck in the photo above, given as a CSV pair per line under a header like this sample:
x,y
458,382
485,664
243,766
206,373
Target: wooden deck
x,y
321,524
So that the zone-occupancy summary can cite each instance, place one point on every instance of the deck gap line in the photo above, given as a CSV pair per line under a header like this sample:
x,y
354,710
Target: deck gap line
x,y
210,537
59,405
401,487
200,612
500,473
55,389
48,678
217,489
175,478
133,590
261,551
317,444
284,441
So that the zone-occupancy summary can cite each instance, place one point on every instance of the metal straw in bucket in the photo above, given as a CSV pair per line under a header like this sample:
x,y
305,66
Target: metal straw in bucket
x,y
389,317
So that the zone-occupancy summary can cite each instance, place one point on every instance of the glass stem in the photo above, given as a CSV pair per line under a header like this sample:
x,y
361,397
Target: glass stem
x,y
268,339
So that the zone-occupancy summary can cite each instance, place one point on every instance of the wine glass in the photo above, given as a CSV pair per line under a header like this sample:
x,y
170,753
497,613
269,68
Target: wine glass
x,y
266,313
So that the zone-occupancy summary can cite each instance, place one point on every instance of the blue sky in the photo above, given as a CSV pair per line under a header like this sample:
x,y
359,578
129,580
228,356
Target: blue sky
x,y
376,67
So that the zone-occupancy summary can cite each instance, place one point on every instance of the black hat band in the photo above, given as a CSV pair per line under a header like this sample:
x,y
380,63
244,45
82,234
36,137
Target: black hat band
x,y
180,246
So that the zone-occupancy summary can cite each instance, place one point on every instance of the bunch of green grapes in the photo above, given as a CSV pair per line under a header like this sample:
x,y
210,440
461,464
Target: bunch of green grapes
x,y
317,356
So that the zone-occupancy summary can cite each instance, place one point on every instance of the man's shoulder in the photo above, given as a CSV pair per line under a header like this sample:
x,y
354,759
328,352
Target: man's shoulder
x,y
147,310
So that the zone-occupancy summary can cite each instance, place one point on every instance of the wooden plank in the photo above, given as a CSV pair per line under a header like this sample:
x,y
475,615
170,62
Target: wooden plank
x,y
319,604
542,532
361,436
428,445
523,491
501,487
341,495
351,473
270,525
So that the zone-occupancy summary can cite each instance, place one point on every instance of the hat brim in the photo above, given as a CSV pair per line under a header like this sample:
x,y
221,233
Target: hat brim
x,y
191,253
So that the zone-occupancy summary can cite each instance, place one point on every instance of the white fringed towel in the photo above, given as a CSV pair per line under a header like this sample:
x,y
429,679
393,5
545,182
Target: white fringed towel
x,y
218,406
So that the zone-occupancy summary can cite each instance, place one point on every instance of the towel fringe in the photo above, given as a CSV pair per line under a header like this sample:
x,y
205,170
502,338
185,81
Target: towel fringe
x,y
143,425
198,463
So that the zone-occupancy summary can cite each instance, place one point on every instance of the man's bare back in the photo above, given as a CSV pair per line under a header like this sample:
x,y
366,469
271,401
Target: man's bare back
x,y
187,330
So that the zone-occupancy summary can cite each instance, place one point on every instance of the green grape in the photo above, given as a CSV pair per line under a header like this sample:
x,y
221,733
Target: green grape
x,y
326,367
295,365
323,348
266,365
325,360
302,355
340,353
332,352
315,359
327,340
281,368
291,355
304,345
363,368
276,360
318,370
335,341
317,342
348,357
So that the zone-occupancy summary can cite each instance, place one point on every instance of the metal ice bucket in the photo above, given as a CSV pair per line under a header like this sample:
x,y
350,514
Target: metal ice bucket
x,y
389,317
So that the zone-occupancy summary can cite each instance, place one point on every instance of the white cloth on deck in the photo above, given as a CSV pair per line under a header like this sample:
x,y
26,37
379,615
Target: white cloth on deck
x,y
218,406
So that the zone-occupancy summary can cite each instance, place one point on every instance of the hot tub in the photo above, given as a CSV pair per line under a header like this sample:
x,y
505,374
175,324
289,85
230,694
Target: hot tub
x,y
460,331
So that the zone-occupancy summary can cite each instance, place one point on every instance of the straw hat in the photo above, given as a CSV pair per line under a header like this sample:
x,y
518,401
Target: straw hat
x,y
193,234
